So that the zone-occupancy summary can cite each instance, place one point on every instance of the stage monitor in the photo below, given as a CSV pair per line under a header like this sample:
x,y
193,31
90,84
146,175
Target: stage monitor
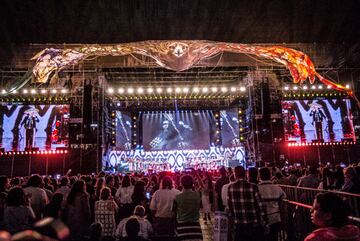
x,y
320,120
33,126
176,130
123,130
229,123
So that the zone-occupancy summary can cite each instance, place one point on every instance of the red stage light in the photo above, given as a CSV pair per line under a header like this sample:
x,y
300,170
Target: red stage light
x,y
66,151
57,152
46,152
61,151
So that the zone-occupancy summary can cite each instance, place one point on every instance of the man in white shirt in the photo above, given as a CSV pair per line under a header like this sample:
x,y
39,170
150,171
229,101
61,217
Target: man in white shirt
x,y
161,205
224,192
272,196
145,225
38,195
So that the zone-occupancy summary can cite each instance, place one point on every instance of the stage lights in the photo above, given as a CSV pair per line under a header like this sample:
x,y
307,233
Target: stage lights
x,y
295,88
205,89
286,88
54,91
347,86
140,90
214,89
329,87
3,92
185,89
158,90
320,87
224,89
304,87
169,90
295,144
121,91
33,91
242,89
196,90
313,87
150,90
42,91
177,90
25,91
233,89
130,90
63,91
43,152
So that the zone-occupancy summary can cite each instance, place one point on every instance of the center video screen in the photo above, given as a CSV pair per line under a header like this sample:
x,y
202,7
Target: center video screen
x,y
318,120
176,130
34,126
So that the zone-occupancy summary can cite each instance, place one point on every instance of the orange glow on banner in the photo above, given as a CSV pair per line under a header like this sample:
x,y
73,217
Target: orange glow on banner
x,y
179,56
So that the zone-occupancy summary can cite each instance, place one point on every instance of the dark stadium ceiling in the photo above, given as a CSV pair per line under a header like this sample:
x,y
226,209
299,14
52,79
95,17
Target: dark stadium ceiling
x,y
334,24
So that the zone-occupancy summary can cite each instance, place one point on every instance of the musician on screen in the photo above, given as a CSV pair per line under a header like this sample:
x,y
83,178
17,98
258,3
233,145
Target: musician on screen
x,y
318,117
29,124
171,136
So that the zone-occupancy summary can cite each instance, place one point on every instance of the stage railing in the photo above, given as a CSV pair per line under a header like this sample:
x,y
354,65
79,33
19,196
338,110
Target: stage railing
x,y
307,195
296,221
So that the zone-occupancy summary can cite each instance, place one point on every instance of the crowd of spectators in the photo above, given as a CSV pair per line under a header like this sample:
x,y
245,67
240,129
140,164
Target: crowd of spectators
x,y
136,206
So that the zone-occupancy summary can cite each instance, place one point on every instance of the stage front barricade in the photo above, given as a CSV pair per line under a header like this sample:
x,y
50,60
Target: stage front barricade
x,y
307,195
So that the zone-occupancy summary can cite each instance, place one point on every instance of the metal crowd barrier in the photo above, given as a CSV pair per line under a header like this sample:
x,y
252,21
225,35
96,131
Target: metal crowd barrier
x,y
307,195
296,221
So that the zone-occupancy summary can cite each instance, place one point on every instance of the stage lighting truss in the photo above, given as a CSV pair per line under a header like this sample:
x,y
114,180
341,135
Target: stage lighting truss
x,y
336,143
35,95
161,92
314,91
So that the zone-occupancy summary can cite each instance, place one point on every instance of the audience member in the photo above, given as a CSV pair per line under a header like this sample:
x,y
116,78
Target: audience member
x,y
77,211
330,214
272,196
17,216
161,205
37,195
247,208
187,208
145,227
105,211
218,186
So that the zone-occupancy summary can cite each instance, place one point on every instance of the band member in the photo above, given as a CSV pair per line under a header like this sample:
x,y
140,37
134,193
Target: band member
x,y
318,118
29,124
171,135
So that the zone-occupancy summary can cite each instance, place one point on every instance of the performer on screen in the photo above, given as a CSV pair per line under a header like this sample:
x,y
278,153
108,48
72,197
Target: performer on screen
x,y
29,124
318,117
172,134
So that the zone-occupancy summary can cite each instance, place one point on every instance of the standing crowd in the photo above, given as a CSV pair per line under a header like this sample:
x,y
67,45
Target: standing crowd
x,y
168,206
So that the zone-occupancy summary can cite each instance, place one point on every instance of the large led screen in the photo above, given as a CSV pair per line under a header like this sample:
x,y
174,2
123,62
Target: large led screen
x,y
123,130
33,126
317,120
176,130
229,122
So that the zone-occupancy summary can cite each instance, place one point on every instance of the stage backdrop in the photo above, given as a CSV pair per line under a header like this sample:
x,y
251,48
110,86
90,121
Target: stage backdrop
x,y
176,130
321,120
40,126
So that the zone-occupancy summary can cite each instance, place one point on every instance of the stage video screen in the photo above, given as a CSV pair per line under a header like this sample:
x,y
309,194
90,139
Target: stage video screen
x,y
123,130
318,120
33,126
177,130
229,122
